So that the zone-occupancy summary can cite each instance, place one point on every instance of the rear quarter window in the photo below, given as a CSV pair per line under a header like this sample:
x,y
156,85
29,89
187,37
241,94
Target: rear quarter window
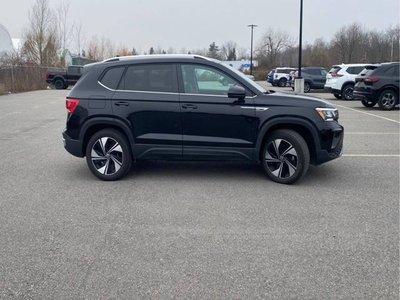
x,y
335,69
112,77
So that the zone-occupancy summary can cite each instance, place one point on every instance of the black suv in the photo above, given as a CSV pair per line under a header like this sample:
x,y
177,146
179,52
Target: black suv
x,y
185,107
378,84
314,78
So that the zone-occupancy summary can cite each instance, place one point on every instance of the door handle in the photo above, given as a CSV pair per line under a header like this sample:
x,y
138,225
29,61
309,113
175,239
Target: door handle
x,y
122,103
189,106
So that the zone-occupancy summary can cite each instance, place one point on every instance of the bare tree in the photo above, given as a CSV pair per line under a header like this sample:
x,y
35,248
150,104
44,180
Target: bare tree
x,y
64,28
228,50
393,35
41,41
272,44
348,43
79,39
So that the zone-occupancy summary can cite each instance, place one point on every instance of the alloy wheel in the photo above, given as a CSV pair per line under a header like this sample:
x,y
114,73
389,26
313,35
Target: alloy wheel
x,y
388,99
281,158
107,156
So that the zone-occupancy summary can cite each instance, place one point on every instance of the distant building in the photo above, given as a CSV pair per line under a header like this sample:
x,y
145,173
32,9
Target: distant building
x,y
71,59
6,44
243,65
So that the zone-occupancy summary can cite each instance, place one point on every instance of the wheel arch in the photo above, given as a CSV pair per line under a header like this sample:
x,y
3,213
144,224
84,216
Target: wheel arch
x,y
390,87
94,125
301,126
347,83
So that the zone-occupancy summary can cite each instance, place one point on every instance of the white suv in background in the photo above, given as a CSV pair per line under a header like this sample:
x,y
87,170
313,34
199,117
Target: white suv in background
x,y
341,79
281,76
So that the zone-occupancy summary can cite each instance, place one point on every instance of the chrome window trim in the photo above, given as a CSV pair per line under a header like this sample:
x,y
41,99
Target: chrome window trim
x,y
169,93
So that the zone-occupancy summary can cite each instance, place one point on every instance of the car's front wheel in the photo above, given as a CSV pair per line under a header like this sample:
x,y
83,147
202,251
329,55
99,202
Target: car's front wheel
x,y
59,84
108,155
282,82
387,100
285,156
337,96
307,87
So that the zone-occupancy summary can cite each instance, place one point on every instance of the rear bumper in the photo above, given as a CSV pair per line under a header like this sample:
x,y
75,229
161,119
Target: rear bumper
x,y
359,95
332,90
74,147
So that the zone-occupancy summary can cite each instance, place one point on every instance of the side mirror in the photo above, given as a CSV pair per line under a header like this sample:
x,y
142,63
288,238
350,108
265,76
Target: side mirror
x,y
237,92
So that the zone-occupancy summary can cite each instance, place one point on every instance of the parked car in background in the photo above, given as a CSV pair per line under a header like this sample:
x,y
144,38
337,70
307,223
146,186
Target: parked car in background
x,y
189,107
379,84
314,78
281,76
65,78
250,76
270,76
340,80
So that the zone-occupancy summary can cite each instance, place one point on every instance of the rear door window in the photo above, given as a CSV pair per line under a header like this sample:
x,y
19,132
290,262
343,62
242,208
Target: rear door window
x,y
355,70
150,78
392,71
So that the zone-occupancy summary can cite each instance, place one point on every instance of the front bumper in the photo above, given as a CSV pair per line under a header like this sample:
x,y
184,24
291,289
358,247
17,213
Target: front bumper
x,y
72,146
331,144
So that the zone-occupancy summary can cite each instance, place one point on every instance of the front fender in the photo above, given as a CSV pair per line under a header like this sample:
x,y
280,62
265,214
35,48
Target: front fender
x,y
289,122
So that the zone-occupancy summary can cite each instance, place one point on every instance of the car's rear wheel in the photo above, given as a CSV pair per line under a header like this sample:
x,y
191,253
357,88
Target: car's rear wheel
x,y
307,87
337,96
347,92
282,82
285,156
387,100
108,155
367,103
59,84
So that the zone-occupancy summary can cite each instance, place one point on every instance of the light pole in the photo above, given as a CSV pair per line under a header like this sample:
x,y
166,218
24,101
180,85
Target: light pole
x,y
251,48
300,35
299,81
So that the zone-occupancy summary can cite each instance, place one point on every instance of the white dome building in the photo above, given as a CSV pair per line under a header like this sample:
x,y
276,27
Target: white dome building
x,y
6,44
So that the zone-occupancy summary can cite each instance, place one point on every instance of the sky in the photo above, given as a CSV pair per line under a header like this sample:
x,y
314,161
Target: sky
x,y
195,24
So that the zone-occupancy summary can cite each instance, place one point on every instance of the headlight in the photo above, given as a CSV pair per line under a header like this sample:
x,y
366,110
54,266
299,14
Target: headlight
x,y
328,114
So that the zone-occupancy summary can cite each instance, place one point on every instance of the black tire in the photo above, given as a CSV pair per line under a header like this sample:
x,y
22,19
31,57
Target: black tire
x,y
347,92
307,87
285,156
59,84
108,155
367,103
337,96
388,99
273,84
282,82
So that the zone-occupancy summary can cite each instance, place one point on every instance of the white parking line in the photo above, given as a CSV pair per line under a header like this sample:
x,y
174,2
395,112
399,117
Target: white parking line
x,y
371,155
363,112
372,133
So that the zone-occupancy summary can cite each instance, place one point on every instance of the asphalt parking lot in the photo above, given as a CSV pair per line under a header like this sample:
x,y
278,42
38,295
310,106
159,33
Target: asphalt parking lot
x,y
191,230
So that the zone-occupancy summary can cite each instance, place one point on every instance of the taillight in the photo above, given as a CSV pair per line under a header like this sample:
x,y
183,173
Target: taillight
x,y
71,104
336,75
371,80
